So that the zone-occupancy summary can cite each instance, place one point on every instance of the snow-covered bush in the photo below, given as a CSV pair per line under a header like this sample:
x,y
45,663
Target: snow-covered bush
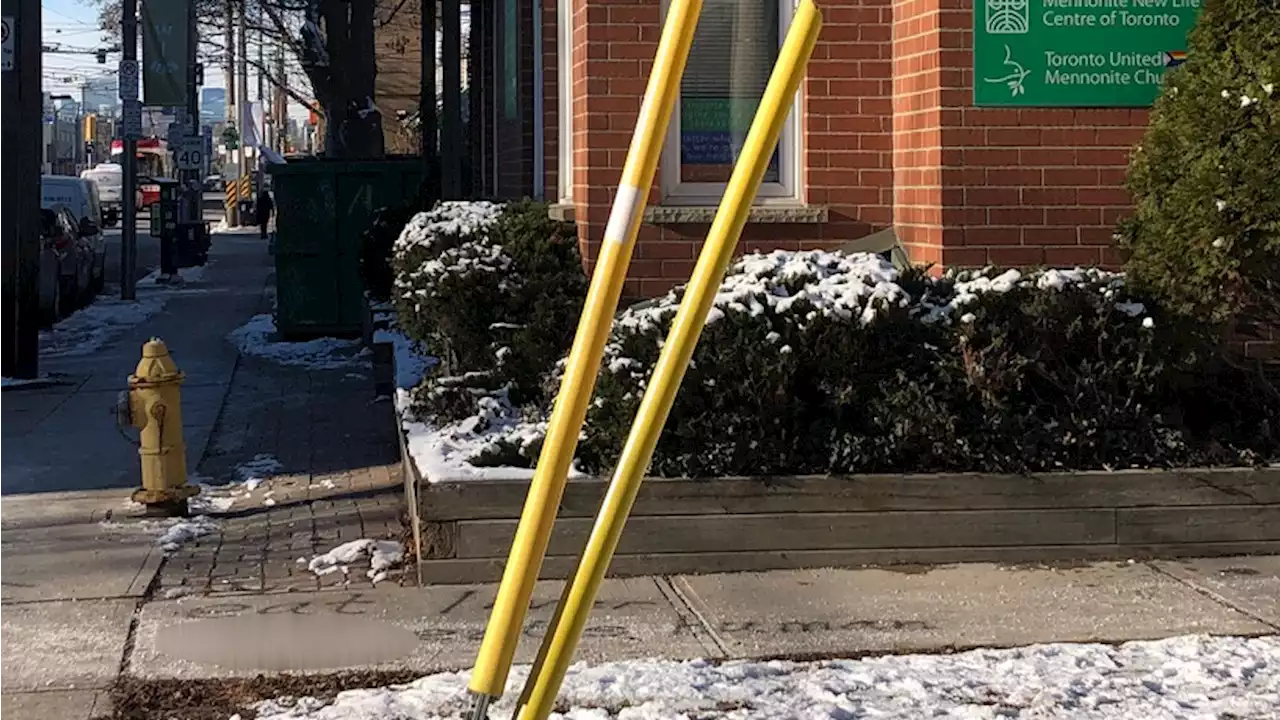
x,y
821,362
1205,236
493,290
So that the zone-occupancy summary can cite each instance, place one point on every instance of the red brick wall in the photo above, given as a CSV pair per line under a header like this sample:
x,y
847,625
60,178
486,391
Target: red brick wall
x,y
889,137
1007,186
846,131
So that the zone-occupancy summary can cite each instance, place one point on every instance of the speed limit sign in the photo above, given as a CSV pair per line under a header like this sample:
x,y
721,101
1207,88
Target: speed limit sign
x,y
190,153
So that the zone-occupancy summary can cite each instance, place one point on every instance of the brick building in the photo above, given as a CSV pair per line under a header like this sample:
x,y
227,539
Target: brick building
x,y
885,146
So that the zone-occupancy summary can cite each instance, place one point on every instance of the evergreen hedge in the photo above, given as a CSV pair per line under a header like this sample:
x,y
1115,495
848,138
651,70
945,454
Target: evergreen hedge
x,y
1205,235
494,291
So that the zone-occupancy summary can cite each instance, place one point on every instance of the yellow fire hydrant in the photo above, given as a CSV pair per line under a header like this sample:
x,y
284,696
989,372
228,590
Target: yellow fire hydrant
x,y
155,409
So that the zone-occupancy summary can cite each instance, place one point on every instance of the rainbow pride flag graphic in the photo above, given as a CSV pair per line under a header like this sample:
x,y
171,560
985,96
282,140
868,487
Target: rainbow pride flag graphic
x,y
1174,58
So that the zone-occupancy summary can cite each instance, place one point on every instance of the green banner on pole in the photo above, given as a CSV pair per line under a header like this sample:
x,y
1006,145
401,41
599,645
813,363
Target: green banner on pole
x,y
1077,53
165,52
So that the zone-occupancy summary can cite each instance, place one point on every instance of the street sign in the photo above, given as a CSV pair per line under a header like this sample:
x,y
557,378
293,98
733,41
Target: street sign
x,y
128,79
1060,53
131,119
6,32
190,153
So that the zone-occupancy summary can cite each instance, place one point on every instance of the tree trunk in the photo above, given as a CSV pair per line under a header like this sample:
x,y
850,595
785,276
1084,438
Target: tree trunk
x,y
344,83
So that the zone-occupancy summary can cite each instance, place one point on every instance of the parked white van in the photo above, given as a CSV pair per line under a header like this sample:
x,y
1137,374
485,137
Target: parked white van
x,y
80,196
110,180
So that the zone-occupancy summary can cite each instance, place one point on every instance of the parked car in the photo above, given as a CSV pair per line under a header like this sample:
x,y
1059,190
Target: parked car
x,y
110,180
80,196
66,263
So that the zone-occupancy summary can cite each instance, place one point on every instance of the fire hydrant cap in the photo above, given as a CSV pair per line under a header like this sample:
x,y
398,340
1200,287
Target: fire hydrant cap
x,y
156,364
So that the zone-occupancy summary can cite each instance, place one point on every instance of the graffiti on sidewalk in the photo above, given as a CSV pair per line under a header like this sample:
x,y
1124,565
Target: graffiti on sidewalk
x,y
602,605
351,604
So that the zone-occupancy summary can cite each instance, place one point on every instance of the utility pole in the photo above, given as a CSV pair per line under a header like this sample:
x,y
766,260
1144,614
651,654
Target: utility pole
x,y
451,115
427,125
262,128
193,188
129,156
232,102
82,122
20,138
281,104
243,116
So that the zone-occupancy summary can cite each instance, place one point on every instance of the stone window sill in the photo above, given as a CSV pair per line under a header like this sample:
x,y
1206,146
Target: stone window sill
x,y
762,214
698,215
562,212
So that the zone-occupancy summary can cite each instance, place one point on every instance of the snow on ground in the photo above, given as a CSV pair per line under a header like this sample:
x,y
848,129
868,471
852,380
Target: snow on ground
x,y
184,531
247,477
381,554
185,275
258,338
254,472
1188,677
171,533
88,329
19,382
411,365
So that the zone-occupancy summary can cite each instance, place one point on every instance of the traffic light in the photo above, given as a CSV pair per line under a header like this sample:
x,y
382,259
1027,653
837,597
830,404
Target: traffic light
x,y
199,73
102,56
90,127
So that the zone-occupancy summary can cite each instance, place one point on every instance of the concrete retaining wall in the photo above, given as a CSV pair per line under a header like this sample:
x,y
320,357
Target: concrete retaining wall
x,y
748,524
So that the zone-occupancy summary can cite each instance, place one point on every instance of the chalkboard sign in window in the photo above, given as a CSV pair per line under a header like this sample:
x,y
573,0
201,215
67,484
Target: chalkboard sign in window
x,y
734,50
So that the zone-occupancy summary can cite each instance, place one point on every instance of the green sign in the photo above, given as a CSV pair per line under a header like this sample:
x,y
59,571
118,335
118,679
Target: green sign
x,y
165,50
1077,53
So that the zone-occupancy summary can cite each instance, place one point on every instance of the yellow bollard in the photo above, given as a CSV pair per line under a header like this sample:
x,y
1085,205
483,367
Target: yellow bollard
x,y
155,408
562,636
529,546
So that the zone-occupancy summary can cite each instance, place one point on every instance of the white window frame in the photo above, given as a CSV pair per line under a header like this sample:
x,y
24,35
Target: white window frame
x,y
564,98
786,191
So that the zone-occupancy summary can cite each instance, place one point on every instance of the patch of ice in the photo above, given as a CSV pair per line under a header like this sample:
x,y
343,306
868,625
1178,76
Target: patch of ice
x,y
19,382
253,473
257,338
1196,676
381,554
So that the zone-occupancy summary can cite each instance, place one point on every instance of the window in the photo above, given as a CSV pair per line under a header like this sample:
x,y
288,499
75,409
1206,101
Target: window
x,y
734,50
564,97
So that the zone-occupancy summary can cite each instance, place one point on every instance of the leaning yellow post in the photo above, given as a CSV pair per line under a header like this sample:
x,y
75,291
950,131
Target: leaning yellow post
x,y
534,531
571,617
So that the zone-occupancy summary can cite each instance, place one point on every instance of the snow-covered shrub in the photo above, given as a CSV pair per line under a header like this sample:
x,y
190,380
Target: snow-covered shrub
x,y
821,362
1205,236
493,290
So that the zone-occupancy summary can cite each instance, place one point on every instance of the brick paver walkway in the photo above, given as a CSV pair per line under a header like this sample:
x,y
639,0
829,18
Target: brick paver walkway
x,y
339,480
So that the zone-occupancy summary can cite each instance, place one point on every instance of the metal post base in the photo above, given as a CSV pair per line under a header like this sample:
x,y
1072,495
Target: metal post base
x,y
480,706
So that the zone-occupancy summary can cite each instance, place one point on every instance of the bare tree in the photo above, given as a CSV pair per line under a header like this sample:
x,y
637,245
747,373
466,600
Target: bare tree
x,y
332,46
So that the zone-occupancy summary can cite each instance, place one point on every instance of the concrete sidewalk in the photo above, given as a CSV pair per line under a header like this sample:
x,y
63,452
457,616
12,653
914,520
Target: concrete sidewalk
x,y
794,614
62,437
822,613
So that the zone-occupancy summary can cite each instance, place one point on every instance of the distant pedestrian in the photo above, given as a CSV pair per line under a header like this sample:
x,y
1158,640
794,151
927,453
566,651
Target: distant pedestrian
x,y
263,208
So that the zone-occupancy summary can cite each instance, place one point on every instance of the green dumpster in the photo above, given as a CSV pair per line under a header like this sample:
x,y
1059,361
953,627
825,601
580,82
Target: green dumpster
x,y
322,206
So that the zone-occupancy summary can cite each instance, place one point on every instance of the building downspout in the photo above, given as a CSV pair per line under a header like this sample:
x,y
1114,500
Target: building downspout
x,y
539,122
